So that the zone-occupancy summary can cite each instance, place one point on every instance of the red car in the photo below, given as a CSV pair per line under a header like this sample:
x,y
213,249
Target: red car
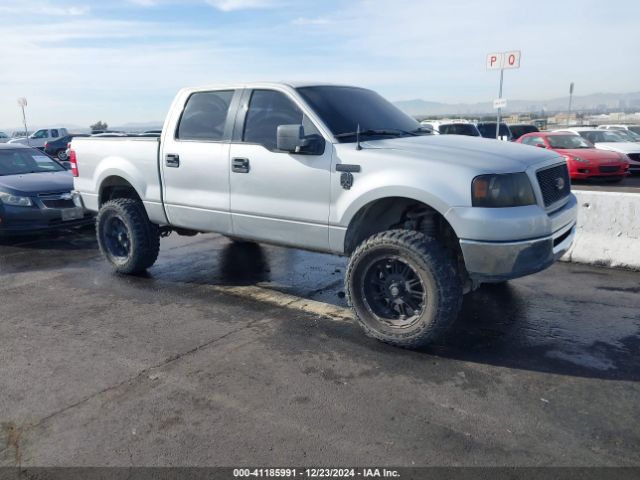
x,y
584,160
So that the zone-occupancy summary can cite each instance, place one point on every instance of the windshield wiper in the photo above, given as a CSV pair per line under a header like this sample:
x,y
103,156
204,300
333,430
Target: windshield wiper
x,y
392,132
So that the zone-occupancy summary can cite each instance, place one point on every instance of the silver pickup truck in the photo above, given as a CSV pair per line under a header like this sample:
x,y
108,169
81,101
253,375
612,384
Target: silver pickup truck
x,y
424,218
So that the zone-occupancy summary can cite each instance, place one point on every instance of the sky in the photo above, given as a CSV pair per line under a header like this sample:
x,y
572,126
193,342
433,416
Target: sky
x,y
122,61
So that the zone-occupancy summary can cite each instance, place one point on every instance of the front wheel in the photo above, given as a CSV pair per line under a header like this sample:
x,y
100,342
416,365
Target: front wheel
x,y
403,287
127,239
62,155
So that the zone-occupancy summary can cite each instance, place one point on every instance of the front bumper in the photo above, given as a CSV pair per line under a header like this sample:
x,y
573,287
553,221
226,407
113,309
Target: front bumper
x,y
30,220
587,172
496,262
499,260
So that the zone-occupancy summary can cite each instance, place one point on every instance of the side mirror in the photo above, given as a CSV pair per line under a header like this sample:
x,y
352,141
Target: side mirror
x,y
66,165
541,145
291,138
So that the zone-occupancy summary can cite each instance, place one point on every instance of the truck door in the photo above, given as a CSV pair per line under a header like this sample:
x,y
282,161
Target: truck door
x,y
277,196
195,163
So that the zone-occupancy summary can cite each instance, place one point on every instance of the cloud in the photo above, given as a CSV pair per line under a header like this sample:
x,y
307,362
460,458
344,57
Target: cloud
x,y
43,8
311,21
230,5
144,3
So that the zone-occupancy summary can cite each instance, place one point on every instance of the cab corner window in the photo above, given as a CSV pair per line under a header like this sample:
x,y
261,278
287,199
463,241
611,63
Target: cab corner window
x,y
205,116
268,109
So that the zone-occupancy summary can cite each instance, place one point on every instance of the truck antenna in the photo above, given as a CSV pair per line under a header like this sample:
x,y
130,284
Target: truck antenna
x,y
358,147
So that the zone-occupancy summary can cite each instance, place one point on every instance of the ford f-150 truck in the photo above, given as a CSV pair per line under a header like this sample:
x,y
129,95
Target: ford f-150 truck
x,y
424,218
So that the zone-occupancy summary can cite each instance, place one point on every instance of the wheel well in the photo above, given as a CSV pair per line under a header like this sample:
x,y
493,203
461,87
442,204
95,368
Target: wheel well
x,y
116,187
404,213
394,212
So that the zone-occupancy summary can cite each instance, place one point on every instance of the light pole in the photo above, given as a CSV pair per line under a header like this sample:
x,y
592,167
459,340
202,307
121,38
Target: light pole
x,y
22,102
570,100
499,108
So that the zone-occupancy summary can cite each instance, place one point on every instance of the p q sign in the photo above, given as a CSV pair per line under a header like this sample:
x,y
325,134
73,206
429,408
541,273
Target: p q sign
x,y
503,60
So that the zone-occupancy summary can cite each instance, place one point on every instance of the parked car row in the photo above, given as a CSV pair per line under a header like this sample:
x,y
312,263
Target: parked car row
x,y
591,153
611,140
609,152
479,129
585,161
40,137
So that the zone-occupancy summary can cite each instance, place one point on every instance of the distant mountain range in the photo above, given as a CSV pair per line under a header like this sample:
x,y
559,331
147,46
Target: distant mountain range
x,y
596,102
593,102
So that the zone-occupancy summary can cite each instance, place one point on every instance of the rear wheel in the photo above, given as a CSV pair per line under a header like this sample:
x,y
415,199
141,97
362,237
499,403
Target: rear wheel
x,y
127,239
62,155
403,287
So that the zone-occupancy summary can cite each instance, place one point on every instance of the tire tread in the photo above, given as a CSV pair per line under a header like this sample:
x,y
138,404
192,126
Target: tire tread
x,y
143,232
444,270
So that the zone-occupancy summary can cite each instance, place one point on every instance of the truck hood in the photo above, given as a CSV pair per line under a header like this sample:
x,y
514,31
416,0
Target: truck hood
x,y
475,152
622,147
30,184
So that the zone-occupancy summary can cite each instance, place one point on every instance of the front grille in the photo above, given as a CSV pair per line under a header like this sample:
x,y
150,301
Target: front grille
x,y
56,199
634,156
554,183
609,168
58,203
45,195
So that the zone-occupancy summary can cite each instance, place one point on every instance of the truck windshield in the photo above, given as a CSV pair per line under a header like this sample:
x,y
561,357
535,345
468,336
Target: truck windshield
x,y
26,160
343,109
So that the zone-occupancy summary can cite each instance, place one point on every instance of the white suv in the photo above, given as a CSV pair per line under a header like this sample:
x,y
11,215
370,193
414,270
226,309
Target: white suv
x,y
631,128
40,137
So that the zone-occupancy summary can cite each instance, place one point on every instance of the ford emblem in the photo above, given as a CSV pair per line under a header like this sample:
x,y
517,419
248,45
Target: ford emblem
x,y
559,183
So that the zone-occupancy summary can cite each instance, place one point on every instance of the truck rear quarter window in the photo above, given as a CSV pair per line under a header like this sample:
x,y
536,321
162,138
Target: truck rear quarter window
x,y
205,116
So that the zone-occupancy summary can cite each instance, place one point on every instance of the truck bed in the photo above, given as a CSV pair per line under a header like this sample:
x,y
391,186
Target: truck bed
x,y
135,159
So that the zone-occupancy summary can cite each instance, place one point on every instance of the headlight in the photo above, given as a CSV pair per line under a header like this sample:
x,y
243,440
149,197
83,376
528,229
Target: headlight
x,y
507,190
15,200
575,159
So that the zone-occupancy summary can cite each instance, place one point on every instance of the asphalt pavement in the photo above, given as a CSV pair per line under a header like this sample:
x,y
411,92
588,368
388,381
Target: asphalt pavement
x,y
630,185
240,354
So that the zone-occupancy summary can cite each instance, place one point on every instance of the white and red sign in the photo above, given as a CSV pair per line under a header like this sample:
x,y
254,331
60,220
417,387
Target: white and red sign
x,y
503,60
500,103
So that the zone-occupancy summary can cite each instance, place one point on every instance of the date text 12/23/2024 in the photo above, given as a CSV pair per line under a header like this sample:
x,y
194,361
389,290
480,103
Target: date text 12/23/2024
x,y
316,472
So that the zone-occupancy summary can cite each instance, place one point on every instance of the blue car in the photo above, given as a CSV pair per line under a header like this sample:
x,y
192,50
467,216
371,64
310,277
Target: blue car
x,y
35,193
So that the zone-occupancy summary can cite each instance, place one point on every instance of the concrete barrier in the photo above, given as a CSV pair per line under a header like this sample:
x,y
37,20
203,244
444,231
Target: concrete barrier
x,y
608,231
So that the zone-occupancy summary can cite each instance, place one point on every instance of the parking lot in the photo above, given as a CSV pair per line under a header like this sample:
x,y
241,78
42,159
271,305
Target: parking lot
x,y
233,354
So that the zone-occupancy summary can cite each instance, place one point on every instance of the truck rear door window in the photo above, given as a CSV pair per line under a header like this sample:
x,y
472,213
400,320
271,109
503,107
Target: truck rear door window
x,y
205,116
